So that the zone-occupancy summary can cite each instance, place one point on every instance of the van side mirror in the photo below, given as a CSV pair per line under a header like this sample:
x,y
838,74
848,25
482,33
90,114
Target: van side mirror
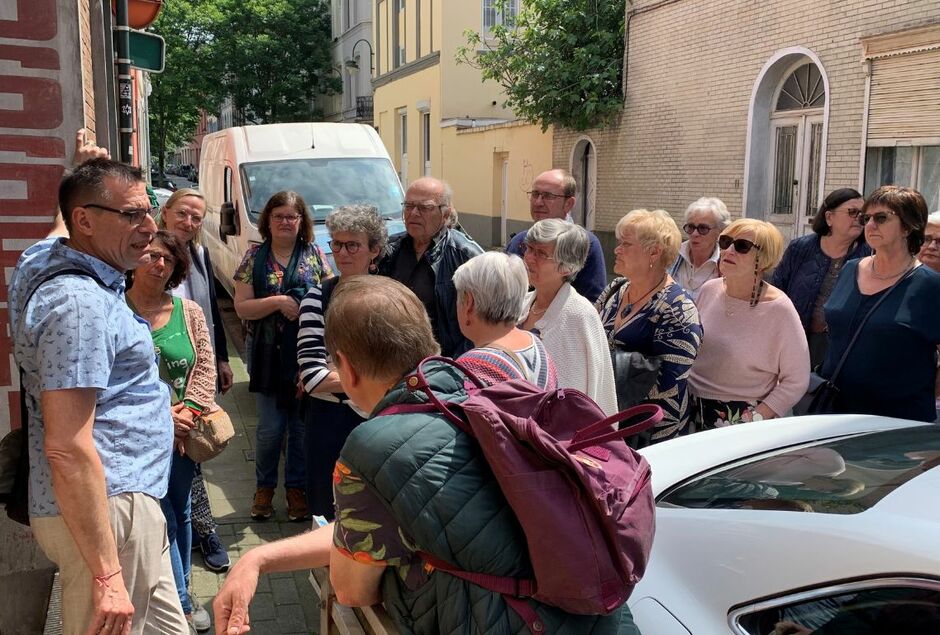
x,y
228,220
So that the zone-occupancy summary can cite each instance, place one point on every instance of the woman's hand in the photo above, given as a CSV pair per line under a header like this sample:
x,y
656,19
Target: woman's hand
x,y
289,307
182,420
226,376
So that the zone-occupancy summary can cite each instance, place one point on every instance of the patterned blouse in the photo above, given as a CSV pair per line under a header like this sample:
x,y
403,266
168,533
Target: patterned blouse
x,y
667,327
312,267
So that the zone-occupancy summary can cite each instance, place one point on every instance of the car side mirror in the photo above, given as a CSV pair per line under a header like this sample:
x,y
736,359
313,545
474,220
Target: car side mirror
x,y
228,220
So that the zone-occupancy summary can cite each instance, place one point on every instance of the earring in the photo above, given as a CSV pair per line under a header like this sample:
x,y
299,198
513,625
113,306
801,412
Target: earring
x,y
373,267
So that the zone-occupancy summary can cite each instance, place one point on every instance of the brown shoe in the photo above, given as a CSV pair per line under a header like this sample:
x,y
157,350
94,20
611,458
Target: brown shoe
x,y
296,504
262,509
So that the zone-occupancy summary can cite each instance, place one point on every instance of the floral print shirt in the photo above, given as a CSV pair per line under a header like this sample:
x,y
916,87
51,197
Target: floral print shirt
x,y
312,267
368,533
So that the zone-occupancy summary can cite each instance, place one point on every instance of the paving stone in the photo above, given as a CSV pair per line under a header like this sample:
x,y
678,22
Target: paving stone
x,y
291,619
262,607
285,591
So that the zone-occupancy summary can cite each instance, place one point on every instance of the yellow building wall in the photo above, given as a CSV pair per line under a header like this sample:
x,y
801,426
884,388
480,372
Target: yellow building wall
x,y
465,93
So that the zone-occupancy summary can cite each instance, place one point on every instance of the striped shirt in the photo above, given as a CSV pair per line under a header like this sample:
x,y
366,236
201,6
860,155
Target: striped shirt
x,y
493,365
312,357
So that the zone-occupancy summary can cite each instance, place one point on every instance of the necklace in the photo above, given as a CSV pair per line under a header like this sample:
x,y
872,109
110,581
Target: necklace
x,y
756,291
154,307
628,309
892,276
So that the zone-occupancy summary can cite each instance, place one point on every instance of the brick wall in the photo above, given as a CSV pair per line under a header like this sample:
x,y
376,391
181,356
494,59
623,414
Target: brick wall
x,y
692,67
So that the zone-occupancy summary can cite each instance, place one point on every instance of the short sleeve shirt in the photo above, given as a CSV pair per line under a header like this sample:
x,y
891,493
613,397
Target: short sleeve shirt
x,y
74,333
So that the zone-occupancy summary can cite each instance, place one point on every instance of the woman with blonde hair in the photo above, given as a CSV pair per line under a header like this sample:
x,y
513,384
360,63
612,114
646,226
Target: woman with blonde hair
x,y
754,361
645,311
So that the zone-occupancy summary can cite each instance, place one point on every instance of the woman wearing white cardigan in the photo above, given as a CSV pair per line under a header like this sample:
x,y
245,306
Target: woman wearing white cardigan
x,y
570,328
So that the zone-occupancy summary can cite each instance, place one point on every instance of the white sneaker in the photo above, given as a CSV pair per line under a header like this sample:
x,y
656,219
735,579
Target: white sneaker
x,y
201,620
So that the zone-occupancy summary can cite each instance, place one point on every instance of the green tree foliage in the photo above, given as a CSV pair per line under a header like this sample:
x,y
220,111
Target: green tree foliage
x,y
276,57
560,63
190,79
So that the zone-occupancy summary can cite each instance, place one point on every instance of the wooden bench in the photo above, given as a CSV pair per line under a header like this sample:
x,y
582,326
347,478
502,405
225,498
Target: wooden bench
x,y
343,620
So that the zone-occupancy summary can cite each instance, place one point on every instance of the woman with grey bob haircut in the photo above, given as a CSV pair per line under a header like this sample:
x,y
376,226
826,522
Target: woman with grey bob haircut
x,y
491,291
570,328
363,219
697,263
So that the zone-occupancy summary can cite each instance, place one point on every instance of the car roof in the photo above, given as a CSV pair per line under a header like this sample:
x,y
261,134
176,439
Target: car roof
x,y
679,459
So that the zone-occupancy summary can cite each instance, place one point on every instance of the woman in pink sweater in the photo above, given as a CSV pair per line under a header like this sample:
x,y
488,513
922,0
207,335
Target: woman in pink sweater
x,y
753,363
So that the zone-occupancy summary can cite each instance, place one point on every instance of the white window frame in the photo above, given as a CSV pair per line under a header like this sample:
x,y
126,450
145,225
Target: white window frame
x,y
917,168
494,6
426,142
403,146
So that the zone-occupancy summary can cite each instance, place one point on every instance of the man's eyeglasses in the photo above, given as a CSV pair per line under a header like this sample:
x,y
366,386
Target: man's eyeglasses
x,y
351,246
423,208
741,245
545,196
150,257
880,218
701,228
853,212
285,218
537,254
194,219
136,216
931,240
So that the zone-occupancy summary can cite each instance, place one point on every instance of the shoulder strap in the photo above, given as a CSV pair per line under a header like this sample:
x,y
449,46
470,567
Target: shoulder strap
x,y
861,325
514,358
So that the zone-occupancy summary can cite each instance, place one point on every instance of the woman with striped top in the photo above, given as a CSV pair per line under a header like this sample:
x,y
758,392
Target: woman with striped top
x,y
491,290
358,235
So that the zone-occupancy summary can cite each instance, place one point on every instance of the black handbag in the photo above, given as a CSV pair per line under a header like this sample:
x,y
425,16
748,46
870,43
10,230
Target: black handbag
x,y
635,374
821,395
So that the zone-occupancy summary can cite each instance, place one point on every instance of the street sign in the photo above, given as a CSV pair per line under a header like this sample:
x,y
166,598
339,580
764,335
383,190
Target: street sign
x,y
147,51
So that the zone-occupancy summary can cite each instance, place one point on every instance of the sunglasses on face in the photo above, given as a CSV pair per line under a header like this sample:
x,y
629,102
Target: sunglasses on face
x,y
880,218
741,245
701,228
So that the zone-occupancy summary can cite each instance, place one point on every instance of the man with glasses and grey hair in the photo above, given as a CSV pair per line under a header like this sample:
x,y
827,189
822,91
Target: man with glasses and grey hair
x,y
553,196
425,258
99,424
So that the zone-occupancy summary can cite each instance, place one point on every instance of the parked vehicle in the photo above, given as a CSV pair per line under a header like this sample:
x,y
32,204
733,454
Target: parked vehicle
x,y
329,164
826,524
162,181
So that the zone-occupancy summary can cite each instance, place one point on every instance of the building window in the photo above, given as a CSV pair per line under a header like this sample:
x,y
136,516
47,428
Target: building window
x,y
907,166
402,138
499,12
426,141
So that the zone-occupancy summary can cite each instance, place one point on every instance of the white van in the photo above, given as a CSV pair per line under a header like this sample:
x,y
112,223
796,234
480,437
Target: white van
x,y
329,164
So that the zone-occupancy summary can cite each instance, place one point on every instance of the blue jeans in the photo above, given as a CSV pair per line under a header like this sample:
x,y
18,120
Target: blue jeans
x,y
273,423
176,508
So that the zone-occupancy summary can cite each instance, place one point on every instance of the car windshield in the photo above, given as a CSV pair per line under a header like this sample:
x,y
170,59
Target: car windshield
x,y
843,476
324,184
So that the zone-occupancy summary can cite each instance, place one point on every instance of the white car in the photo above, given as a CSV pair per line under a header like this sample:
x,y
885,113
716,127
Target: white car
x,y
824,524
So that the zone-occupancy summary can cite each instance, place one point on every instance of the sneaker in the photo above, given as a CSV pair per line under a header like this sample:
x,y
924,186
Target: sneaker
x,y
201,620
262,509
213,553
296,504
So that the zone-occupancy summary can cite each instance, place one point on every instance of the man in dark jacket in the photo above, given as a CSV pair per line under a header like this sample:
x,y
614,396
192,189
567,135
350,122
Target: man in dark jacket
x,y
425,258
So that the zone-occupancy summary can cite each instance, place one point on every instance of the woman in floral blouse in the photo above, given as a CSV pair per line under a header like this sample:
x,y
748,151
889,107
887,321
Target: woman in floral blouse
x,y
648,312
269,284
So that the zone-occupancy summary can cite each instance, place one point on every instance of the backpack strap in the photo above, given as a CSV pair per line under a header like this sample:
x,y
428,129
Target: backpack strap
x,y
583,438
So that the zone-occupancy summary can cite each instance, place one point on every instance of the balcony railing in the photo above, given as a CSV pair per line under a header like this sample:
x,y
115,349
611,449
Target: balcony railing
x,y
364,108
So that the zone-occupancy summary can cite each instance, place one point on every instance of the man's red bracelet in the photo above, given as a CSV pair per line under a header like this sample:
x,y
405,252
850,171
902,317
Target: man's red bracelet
x,y
102,580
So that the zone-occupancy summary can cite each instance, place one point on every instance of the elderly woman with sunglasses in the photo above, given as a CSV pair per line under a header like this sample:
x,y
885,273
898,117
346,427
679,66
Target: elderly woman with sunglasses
x,y
270,282
697,262
358,236
648,312
566,321
754,362
891,369
811,264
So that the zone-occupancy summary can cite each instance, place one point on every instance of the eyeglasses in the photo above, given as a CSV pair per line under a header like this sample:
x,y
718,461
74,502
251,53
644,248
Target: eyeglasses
x,y
151,257
741,245
194,219
931,240
701,228
423,208
285,218
136,216
545,196
351,246
880,218
853,212
537,254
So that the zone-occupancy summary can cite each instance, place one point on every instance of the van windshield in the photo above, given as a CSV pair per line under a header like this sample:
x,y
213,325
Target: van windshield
x,y
324,184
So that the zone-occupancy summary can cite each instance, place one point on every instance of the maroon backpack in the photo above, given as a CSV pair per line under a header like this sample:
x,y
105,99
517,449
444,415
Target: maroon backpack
x,y
581,495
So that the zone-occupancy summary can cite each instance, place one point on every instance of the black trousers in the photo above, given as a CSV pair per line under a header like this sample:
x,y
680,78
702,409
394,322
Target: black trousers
x,y
327,425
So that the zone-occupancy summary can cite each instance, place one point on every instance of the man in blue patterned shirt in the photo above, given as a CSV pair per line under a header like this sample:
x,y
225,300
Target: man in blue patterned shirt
x,y
100,428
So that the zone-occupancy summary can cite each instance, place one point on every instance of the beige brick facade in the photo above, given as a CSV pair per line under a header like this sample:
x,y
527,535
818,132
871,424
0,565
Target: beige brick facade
x,y
692,67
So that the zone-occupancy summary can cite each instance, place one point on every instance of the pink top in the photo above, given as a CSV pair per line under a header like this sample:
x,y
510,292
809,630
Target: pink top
x,y
750,354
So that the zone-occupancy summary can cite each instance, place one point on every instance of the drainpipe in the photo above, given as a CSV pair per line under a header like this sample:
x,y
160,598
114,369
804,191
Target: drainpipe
x,y
125,90
866,67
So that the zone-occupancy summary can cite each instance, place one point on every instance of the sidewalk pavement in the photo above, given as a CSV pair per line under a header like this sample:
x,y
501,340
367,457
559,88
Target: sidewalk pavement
x,y
285,602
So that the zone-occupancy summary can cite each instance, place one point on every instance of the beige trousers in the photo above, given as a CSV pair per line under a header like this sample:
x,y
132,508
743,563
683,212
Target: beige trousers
x,y
140,533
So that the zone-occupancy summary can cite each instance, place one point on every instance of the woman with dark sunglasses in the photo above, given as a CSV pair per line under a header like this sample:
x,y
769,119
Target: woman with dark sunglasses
x,y
697,262
358,236
811,264
754,362
891,369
